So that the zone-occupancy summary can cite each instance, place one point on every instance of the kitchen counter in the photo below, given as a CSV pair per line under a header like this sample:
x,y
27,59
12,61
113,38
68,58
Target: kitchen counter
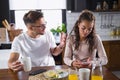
x,y
4,56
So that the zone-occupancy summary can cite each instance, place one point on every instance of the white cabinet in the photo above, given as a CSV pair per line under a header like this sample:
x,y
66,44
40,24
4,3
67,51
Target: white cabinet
x,y
4,56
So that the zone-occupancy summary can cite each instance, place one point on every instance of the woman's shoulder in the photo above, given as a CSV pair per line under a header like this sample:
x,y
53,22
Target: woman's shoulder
x,y
97,37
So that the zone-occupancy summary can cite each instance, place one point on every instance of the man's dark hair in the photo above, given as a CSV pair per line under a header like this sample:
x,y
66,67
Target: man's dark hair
x,y
32,16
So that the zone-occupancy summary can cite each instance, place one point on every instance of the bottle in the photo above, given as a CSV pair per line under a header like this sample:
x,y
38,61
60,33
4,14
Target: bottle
x,y
118,31
105,5
115,6
119,4
97,71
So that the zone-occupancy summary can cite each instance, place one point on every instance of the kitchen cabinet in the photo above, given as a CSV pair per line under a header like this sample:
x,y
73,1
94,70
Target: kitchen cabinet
x,y
79,5
4,56
112,49
4,11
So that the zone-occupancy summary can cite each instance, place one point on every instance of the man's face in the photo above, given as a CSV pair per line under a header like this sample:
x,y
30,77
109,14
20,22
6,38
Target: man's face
x,y
39,26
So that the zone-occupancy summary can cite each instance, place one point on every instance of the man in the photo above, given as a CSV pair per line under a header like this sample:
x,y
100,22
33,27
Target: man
x,y
36,42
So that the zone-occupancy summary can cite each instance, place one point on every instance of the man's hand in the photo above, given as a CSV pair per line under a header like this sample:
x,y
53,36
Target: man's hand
x,y
16,66
58,49
63,40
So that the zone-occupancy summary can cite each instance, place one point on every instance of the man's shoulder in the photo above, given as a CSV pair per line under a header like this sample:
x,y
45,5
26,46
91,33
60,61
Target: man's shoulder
x,y
20,36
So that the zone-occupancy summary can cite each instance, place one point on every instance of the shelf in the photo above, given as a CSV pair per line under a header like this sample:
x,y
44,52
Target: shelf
x,y
108,12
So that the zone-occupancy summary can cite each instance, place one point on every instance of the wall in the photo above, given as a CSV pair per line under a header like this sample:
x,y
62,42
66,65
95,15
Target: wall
x,y
37,4
105,18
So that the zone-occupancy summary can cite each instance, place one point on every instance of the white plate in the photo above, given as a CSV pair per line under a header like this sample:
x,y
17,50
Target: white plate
x,y
56,74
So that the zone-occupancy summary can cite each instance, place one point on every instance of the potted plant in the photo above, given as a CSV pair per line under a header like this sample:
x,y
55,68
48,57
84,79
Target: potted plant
x,y
57,32
59,29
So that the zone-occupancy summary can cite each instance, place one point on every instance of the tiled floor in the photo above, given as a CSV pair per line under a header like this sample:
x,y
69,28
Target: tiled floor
x,y
4,56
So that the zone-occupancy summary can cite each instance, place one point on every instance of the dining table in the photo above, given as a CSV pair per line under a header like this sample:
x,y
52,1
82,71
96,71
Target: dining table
x,y
8,74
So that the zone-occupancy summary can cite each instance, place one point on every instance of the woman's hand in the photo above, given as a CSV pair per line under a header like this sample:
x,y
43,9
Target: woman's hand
x,y
76,64
80,64
16,66
87,63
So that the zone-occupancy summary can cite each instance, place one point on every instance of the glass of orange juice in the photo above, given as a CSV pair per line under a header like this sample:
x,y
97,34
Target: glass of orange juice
x,y
96,77
97,72
73,75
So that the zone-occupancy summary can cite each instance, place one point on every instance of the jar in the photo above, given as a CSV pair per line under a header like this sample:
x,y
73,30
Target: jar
x,y
115,6
113,31
118,31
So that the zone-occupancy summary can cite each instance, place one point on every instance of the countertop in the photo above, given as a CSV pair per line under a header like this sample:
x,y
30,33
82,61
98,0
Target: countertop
x,y
109,38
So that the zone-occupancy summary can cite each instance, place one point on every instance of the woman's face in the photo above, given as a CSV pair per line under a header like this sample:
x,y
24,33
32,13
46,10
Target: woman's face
x,y
85,28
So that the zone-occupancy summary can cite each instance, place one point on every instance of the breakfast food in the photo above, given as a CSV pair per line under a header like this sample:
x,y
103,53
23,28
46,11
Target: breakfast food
x,y
55,74
51,74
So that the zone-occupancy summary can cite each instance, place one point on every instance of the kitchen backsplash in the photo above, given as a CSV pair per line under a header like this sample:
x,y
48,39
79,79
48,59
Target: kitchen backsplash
x,y
105,22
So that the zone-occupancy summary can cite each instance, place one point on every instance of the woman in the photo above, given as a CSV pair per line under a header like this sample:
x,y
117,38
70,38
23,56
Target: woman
x,y
83,43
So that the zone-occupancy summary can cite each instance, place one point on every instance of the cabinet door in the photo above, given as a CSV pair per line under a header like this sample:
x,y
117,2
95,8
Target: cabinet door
x,y
112,49
115,55
4,11
106,45
79,5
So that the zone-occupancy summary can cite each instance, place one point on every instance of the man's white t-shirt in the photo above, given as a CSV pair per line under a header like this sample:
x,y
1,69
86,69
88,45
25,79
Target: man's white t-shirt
x,y
38,49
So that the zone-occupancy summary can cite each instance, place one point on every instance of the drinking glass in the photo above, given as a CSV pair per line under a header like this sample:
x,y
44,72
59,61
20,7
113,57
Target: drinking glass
x,y
84,74
73,75
26,61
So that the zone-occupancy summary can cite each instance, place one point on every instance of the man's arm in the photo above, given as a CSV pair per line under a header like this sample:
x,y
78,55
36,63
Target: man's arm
x,y
13,62
57,50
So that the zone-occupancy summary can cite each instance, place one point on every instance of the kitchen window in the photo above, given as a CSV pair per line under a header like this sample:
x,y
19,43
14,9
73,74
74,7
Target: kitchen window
x,y
53,18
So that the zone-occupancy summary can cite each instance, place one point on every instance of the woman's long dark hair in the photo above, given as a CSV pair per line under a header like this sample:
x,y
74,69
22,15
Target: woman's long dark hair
x,y
85,15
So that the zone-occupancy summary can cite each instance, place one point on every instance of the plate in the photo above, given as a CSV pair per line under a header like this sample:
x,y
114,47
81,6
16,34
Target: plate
x,y
56,74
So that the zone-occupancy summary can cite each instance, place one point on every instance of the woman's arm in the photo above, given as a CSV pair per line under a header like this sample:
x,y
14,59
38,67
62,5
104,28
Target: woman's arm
x,y
101,51
68,52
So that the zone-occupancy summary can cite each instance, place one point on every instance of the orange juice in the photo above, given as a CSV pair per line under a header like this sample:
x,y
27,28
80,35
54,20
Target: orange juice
x,y
73,77
97,78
